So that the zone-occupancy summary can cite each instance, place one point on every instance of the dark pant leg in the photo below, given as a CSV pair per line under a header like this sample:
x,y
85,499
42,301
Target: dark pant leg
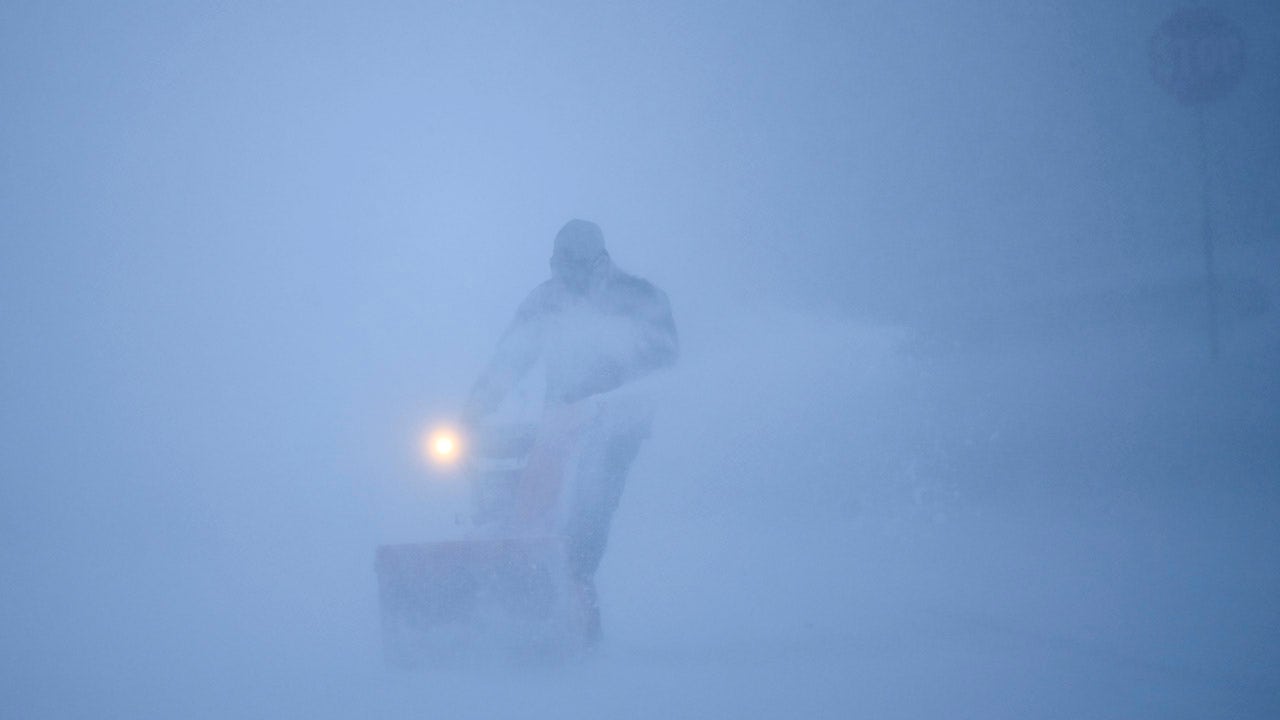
x,y
602,473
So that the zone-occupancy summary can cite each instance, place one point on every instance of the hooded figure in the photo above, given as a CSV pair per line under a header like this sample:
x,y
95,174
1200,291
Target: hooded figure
x,y
593,326
595,329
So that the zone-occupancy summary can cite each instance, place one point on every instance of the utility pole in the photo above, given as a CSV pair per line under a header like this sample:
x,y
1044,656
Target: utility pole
x,y
1198,56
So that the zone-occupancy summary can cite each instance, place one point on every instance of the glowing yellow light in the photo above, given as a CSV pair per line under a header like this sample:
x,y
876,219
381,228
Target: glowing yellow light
x,y
441,446
444,446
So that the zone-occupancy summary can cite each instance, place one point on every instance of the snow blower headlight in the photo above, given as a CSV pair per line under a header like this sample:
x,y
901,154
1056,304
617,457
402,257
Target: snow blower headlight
x,y
442,446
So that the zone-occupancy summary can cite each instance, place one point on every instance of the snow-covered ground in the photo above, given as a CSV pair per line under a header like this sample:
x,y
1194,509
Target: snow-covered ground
x,y
990,618
1008,534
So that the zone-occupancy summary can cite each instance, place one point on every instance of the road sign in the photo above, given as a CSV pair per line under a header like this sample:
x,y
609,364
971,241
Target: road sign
x,y
1198,55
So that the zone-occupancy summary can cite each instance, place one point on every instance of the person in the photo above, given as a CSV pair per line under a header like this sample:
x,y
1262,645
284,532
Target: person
x,y
595,331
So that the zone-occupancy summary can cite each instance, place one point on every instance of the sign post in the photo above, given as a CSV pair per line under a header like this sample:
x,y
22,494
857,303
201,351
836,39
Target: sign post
x,y
1198,56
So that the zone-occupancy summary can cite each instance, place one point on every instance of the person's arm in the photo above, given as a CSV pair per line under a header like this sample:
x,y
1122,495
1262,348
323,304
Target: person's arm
x,y
517,351
655,346
659,344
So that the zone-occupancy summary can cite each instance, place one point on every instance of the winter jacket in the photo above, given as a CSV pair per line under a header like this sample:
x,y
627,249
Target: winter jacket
x,y
618,330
